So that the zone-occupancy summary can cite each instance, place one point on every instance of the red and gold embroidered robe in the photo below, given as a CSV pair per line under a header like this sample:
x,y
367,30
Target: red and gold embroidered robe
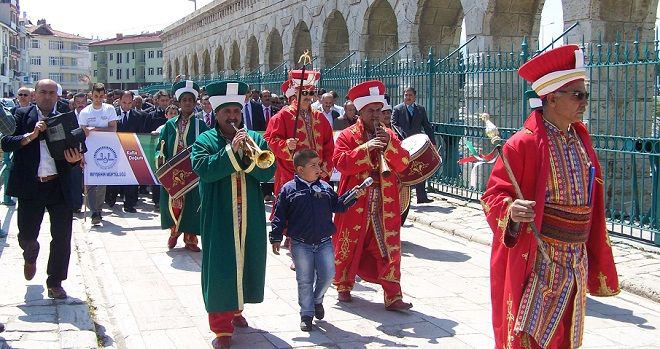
x,y
355,252
280,129
513,259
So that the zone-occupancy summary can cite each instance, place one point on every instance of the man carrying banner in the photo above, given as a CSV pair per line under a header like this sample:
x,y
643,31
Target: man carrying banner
x,y
181,215
233,250
367,242
288,132
550,243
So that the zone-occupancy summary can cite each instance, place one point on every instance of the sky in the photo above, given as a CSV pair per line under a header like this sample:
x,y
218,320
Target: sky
x,y
109,17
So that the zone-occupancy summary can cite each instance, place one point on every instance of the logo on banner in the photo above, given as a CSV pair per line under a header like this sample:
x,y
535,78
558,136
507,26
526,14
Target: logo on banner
x,y
105,158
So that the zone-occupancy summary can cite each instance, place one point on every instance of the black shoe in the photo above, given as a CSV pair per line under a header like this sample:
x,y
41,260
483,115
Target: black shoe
x,y
57,292
424,201
96,218
306,323
2,327
130,209
319,312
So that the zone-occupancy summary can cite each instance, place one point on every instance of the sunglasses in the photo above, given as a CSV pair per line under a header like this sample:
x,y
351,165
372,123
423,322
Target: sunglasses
x,y
580,96
308,92
23,95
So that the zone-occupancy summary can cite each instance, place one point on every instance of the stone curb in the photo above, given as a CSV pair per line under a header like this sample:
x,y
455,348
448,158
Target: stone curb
x,y
646,286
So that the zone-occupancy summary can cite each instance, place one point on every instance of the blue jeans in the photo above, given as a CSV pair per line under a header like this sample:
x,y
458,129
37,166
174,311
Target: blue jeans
x,y
313,263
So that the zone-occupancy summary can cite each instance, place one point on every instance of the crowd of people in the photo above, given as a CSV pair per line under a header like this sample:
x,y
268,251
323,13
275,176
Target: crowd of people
x,y
239,139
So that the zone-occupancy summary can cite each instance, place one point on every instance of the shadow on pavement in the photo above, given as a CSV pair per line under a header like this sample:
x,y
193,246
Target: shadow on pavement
x,y
356,340
432,208
611,312
411,249
108,227
182,260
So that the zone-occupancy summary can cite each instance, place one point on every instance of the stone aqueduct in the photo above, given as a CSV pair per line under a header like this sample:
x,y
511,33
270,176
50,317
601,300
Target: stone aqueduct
x,y
250,35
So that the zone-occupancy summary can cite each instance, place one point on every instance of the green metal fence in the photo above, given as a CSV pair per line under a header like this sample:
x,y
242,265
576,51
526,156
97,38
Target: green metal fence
x,y
623,116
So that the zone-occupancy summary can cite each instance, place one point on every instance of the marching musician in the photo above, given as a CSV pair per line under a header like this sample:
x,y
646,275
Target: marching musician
x,y
538,290
367,242
312,130
181,215
234,251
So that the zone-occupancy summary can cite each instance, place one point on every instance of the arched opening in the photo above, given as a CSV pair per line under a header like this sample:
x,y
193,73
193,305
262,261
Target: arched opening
x,y
302,41
195,66
439,26
235,57
206,64
381,33
177,68
275,49
184,68
170,75
510,23
252,54
219,60
335,39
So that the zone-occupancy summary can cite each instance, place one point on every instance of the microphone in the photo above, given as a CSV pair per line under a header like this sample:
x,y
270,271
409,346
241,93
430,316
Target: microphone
x,y
367,182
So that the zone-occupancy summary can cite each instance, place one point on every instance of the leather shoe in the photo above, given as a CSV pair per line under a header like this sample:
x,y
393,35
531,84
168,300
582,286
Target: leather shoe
x,y
2,327
171,242
344,296
130,209
399,305
56,292
223,342
424,201
306,323
319,312
193,248
29,269
239,321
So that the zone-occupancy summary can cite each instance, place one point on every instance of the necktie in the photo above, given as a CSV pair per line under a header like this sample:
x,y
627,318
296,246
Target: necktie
x,y
267,114
248,118
207,119
410,113
125,120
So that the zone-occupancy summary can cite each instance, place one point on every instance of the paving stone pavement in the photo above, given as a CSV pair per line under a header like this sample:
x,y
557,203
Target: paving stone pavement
x,y
146,296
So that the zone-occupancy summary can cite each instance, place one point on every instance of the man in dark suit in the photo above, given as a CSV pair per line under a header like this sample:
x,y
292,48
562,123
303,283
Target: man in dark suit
x,y
206,114
42,183
253,116
152,121
409,118
130,120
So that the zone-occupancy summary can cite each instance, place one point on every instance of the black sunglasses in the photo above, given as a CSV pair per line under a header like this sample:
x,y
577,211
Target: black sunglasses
x,y
579,95
23,94
308,92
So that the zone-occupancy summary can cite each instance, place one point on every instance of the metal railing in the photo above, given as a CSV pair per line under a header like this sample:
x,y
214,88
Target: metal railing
x,y
623,115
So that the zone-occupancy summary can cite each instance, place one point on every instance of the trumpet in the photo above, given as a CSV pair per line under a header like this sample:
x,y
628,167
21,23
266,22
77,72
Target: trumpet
x,y
262,158
383,167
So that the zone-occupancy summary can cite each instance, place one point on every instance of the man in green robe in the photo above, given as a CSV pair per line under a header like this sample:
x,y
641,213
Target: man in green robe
x,y
232,213
181,215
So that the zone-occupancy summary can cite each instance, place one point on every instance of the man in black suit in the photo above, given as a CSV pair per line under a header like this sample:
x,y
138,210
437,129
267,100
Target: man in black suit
x,y
152,121
409,118
206,114
130,120
253,116
42,183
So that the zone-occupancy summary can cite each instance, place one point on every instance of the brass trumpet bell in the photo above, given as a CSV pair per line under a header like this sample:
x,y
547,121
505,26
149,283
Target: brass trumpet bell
x,y
261,158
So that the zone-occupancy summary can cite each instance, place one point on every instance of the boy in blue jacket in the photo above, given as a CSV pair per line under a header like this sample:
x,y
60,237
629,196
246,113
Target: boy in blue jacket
x,y
304,208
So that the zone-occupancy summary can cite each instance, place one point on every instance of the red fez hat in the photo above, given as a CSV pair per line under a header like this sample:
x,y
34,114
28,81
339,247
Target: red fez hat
x,y
372,91
554,69
309,80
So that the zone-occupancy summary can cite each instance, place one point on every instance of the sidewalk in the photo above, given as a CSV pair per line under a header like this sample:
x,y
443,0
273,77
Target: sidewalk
x,y
638,264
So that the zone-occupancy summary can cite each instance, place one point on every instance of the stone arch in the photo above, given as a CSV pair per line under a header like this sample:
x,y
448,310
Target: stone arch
x,y
439,26
206,63
335,39
511,21
624,18
194,71
184,66
302,40
177,68
235,57
252,54
219,60
381,30
275,49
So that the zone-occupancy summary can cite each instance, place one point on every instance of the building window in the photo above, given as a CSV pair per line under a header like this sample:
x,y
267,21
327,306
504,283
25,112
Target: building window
x,y
34,43
74,62
96,72
151,71
96,56
151,54
35,60
76,46
112,56
111,72
56,61
133,72
36,76
133,55
159,71
159,54
56,45
119,57
57,77
118,74
128,73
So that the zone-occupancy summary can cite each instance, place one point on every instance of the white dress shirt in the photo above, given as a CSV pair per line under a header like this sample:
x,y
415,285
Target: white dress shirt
x,y
46,162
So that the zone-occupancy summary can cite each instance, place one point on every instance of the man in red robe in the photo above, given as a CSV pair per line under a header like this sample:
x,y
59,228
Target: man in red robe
x,y
367,242
312,130
539,286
